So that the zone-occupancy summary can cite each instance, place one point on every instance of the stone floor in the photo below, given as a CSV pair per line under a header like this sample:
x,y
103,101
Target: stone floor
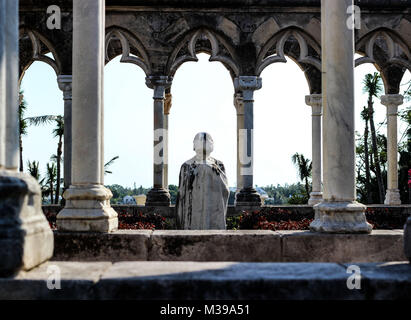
x,y
150,280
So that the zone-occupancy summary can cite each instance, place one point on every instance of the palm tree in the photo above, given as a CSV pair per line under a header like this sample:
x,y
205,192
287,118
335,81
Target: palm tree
x,y
365,116
59,132
304,167
25,122
51,179
33,169
108,164
373,86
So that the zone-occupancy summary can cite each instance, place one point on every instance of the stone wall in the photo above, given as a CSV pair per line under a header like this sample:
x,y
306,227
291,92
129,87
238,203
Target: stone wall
x,y
382,217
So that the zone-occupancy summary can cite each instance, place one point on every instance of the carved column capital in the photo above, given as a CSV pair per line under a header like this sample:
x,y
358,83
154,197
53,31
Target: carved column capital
x,y
159,84
392,101
247,85
65,85
315,101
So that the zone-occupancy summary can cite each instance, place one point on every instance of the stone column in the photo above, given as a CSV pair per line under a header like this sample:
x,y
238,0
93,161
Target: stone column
x,y
158,196
339,212
248,196
239,106
65,85
25,236
167,107
315,102
392,101
87,200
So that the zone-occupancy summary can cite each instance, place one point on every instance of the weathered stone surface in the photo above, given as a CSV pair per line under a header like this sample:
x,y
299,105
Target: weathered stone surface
x,y
386,281
230,245
123,245
209,280
77,281
26,239
340,217
203,189
244,245
380,245
193,280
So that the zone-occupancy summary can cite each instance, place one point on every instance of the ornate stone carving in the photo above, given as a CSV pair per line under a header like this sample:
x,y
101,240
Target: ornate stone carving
x,y
274,50
38,43
197,41
141,60
395,51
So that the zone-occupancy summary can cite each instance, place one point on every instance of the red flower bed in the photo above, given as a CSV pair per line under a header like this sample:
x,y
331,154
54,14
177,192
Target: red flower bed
x,y
262,221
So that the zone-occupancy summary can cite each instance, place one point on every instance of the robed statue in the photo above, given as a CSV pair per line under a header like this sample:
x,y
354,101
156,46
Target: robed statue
x,y
203,189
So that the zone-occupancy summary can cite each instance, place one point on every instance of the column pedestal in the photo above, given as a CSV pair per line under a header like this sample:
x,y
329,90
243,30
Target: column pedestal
x,y
26,239
87,209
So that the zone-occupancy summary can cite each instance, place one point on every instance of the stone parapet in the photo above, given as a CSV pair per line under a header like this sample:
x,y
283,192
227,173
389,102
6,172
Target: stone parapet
x,y
230,245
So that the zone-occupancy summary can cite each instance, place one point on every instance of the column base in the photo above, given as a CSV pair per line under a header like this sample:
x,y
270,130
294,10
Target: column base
x,y
87,209
340,217
407,239
158,197
26,239
392,197
315,198
248,197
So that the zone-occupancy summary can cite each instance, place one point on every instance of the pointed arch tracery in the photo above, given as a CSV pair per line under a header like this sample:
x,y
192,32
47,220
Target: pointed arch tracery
x,y
121,42
40,46
203,40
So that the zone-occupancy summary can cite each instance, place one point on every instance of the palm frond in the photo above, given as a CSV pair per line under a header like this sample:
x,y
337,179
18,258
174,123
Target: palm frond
x,y
40,120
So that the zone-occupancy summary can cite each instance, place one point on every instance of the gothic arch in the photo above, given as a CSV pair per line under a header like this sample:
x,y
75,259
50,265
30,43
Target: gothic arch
x,y
36,46
388,53
299,47
122,42
203,40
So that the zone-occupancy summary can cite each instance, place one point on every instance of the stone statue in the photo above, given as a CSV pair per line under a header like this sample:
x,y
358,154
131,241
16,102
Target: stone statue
x,y
203,189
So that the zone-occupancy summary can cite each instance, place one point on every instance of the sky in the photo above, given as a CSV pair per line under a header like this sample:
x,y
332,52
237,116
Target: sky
x,y
202,101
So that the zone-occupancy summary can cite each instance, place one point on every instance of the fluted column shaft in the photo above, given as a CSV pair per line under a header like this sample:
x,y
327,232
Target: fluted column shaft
x,y
315,102
392,101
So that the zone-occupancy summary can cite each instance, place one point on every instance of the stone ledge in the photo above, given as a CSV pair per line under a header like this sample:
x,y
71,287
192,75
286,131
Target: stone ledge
x,y
230,245
210,280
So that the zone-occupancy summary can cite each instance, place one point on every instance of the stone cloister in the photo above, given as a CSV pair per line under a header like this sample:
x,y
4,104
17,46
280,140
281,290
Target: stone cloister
x,y
159,36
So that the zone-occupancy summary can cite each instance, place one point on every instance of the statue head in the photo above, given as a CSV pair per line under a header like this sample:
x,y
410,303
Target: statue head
x,y
203,145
